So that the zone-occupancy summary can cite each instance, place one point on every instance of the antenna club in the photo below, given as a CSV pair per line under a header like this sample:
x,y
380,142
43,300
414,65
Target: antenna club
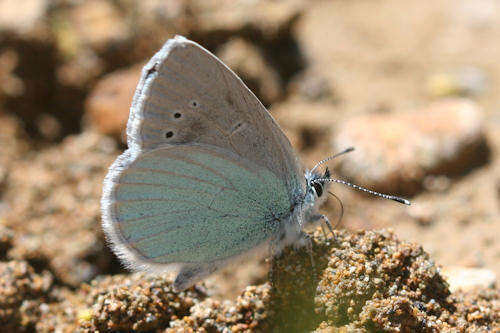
x,y
402,200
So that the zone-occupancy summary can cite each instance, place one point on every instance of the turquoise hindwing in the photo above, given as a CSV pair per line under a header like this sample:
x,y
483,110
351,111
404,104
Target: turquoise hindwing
x,y
195,204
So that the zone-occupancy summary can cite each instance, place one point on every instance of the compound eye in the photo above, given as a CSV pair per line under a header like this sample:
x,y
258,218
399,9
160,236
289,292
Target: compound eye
x,y
318,188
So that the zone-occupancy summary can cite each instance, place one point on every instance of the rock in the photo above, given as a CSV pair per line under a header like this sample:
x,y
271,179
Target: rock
x,y
370,273
268,25
141,302
6,238
370,281
97,37
313,86
267,18
63,314
248,313
27,61
294,284
395,152
307,125
247,61
108,104
156,19
135,303
91,37
22,292
12,141
22,17
98,24
476,310
10,84
466,279
22,60
466,81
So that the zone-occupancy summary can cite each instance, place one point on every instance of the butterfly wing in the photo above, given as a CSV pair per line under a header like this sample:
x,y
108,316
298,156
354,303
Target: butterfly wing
x,y
193,206
187,95
208,173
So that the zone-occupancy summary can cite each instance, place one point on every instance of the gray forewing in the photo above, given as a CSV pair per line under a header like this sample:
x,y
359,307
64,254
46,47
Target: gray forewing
x,y
187,95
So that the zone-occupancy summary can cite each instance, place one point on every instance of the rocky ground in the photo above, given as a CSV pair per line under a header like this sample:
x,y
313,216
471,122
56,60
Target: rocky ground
x,y
412,85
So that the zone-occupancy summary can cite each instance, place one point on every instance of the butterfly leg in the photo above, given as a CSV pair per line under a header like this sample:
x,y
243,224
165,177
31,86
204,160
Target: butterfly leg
x,y
326,220
273,251
309,247
190,274
323,230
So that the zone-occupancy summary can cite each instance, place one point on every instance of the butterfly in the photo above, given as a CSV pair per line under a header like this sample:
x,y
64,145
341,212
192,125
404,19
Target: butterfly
x,y
208,174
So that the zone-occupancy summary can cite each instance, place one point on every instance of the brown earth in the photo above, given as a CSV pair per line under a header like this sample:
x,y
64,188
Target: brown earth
x,y
412,85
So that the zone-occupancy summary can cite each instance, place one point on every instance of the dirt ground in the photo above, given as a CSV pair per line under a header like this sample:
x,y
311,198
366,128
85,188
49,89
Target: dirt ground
x,y
412,85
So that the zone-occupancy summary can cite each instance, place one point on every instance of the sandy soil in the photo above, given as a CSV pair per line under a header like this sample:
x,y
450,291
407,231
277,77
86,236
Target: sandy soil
x,y
412,85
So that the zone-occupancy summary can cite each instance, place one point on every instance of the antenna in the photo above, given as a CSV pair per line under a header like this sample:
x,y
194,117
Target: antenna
x,y
348,150
385,196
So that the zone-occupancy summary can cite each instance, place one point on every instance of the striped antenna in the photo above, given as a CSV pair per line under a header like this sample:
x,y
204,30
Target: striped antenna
x,y
348,150
357,187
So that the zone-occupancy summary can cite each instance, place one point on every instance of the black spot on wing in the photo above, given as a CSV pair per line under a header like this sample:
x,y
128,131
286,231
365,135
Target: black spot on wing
x,y
152,70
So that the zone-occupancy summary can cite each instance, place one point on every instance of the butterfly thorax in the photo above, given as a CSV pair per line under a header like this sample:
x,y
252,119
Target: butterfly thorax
x,y
305,210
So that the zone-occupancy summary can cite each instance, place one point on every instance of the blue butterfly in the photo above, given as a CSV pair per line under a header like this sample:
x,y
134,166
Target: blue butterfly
x,y
208,175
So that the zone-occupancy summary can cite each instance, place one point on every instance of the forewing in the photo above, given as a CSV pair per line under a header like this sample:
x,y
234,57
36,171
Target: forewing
x,y
187,95
190,204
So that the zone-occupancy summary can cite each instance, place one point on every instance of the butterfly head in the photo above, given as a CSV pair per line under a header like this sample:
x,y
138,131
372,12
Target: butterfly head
x,y
316,187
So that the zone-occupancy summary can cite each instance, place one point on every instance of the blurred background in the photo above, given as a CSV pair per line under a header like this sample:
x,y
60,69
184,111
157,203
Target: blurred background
x,y
412,85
